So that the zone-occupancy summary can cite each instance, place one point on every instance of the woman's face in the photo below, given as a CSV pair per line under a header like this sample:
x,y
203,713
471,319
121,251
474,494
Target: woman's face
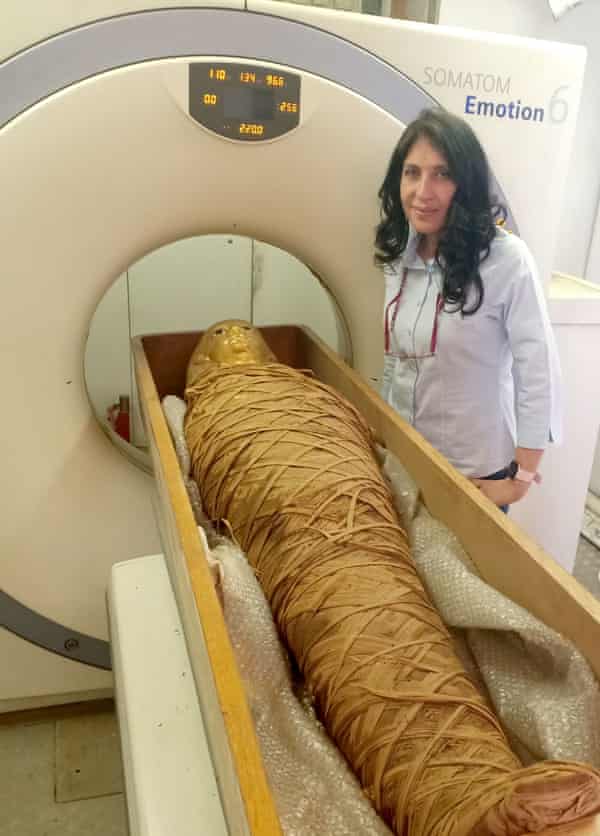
x,y
426,188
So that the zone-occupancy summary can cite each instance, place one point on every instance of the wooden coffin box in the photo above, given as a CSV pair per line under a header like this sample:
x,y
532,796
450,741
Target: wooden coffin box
x,y
505,557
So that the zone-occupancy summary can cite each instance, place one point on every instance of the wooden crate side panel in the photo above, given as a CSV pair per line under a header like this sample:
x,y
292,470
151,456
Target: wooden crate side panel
x,y
505,557
247,801
167,356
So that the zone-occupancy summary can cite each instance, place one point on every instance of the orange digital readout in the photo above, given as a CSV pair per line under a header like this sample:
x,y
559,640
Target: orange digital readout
x,y
245,102
252,128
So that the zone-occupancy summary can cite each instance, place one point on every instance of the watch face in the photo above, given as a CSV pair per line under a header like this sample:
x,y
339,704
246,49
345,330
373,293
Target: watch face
x,y
512,469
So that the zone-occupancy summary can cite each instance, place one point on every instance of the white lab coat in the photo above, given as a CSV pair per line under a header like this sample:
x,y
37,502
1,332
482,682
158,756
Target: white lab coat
x,y
494,381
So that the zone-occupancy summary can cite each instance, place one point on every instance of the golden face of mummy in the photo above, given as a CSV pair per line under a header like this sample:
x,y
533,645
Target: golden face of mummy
x,y
229,343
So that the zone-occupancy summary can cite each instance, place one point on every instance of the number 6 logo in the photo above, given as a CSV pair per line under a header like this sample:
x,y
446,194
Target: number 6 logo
x,y
558,107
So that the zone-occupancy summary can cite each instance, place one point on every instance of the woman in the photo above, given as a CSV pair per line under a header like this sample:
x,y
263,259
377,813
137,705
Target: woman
x,y
470,359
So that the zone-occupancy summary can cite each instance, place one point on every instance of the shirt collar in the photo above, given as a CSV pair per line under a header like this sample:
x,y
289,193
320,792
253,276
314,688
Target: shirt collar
x,y
410,252
410,258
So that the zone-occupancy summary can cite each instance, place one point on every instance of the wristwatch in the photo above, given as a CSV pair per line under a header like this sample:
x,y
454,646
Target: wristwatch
x,y
515,471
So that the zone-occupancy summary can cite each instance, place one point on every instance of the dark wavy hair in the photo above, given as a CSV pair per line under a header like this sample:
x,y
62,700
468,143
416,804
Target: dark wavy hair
x,y
471,222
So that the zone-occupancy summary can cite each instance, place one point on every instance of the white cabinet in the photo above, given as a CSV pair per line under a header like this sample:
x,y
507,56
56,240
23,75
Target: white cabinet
x,y
595,477
553,511
592,272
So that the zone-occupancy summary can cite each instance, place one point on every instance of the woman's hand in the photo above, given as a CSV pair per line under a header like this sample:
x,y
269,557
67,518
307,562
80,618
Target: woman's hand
x,y
502,491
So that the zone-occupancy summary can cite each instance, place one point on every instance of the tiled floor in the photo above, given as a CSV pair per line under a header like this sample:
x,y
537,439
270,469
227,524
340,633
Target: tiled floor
x,y
88,758
65,777
62,778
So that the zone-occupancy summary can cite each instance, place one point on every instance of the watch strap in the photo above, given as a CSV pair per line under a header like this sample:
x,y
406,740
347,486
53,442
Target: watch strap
x,y
515,471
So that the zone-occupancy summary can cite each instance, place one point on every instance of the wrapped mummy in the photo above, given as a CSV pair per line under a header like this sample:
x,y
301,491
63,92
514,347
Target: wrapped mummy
x,y
290,465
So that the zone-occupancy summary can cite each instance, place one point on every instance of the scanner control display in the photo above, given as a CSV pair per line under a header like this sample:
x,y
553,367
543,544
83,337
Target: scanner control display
x,y
244,102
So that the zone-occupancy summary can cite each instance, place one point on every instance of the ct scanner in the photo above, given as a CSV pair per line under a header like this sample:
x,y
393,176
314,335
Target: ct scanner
x,y
126,125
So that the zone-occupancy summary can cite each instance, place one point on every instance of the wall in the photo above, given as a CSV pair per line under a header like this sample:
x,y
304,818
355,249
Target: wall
x,y
581,25
173,289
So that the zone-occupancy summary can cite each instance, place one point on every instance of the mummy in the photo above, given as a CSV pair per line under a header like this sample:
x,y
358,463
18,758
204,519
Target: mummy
x,y
291,466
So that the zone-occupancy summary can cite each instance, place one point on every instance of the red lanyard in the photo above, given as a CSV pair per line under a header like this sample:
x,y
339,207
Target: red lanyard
x,y
439,304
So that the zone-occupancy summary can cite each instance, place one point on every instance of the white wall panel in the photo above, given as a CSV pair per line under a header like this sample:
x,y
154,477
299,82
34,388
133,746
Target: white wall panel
x,y
190,284
287,293
581,25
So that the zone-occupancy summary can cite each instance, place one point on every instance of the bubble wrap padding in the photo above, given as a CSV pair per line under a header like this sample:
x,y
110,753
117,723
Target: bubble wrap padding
x,y
541,686
174,410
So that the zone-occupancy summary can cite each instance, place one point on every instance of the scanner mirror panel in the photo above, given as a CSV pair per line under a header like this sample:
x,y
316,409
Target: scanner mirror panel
x,y
186,286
